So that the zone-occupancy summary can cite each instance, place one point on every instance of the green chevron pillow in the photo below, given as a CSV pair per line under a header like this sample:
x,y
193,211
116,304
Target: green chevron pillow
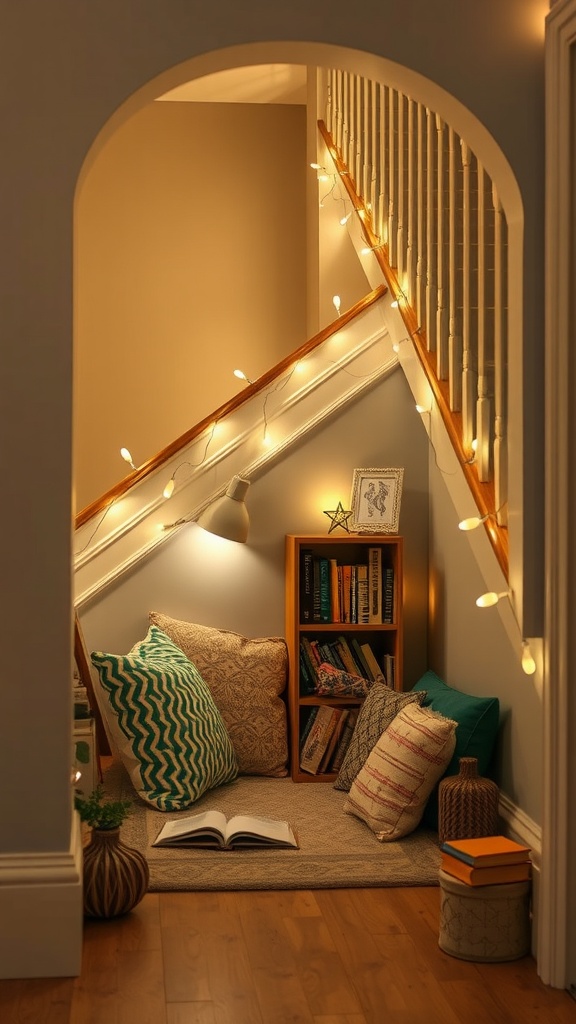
x,y
169,733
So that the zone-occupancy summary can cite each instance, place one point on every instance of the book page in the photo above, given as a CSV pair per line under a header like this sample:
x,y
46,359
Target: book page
x,y
269,828
208,821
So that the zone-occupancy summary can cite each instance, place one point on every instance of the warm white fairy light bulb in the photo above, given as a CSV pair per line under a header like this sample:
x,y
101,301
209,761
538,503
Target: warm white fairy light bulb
x,y
169,489
528,663
127,457
344,220
491,598
242,376
336,302
472,523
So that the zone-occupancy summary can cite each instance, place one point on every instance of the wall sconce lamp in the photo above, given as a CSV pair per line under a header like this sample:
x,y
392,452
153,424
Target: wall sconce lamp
x,y
227,516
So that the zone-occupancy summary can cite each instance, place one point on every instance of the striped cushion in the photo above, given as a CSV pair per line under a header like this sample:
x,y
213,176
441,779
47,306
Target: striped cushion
x,y
169,733
390,791
377,712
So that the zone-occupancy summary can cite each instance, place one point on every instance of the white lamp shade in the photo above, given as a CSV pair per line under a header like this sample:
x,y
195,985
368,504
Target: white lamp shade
x,y
228,516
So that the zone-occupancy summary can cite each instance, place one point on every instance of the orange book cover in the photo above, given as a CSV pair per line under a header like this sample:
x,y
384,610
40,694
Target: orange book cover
x,y
487,851
498,875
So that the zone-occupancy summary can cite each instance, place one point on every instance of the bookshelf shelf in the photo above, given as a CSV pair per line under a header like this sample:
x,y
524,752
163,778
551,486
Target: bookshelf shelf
x,y
306,577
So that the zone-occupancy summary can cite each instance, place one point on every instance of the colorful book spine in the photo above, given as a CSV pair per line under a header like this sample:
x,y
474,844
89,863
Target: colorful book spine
x,y
346,578
306,586
497,875
334,591
486,851
388,607
318,739
363,600
375,584
325,602
344,741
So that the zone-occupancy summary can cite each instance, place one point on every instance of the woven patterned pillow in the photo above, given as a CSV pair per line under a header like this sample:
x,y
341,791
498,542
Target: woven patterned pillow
x,y
333,682
390,791
169,733
377,712
246,678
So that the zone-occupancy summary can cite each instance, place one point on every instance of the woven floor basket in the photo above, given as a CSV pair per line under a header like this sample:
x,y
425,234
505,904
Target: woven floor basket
x,y
467,804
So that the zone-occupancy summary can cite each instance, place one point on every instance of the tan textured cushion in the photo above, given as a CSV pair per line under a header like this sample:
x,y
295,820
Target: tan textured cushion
x,y
390,791
377,712
246,678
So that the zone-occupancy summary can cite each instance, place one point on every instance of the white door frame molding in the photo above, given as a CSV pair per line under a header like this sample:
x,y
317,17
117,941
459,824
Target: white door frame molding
x,y
560,447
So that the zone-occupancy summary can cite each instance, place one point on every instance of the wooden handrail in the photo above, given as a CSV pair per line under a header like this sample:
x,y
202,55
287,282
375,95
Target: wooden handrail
x,y
483,493
228,407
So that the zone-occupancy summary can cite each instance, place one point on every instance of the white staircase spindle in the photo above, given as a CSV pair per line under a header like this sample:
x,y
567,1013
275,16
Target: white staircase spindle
x,y
468,374
441,308
410,235
392,159
454,283
431,253
420,248
400,240
500,468
366,142
483,404
374,164
383,197
359,135
339,107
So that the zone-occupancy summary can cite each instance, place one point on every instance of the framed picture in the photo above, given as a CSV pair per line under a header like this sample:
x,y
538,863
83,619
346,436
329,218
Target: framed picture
x,y
376,495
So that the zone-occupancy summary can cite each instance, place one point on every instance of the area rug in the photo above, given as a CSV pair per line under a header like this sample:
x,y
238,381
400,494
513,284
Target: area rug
x,y
336,849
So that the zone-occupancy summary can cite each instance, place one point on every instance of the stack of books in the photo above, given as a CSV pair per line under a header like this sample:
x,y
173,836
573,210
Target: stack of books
x,y
325,738
490,860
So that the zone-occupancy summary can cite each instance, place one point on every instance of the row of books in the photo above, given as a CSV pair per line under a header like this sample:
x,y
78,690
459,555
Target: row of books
x,y
325,738
334,592
489,860
80,702
351,656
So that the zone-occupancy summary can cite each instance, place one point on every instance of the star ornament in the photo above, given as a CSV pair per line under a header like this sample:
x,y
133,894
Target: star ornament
x,y
339,517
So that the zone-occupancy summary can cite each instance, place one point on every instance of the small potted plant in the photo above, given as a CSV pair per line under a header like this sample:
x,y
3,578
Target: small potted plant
x,y
115,876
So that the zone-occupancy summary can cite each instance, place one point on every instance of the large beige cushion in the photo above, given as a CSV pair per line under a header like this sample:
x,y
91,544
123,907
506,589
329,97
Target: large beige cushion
x,y
246,678
390,791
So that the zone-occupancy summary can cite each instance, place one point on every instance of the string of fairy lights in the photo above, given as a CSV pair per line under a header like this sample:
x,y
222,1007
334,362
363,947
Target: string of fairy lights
x,y
471,523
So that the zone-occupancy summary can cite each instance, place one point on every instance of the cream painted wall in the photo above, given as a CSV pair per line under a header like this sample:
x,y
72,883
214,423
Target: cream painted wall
x,y
189,262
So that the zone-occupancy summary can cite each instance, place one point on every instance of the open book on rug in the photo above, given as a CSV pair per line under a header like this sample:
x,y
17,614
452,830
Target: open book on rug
x,y
212,829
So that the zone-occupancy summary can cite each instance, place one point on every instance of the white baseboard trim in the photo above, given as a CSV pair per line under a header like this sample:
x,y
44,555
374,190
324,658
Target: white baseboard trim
x,y
521,828
41,915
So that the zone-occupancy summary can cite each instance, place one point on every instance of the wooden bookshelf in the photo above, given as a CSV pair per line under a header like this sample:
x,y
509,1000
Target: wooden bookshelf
x,y
383,637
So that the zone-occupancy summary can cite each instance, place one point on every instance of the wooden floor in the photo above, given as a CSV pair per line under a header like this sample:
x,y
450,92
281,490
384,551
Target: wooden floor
x,y
347,956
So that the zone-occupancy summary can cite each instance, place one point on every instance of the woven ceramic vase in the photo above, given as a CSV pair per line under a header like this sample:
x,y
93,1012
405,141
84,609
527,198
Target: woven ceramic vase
x,y
467,804
115,875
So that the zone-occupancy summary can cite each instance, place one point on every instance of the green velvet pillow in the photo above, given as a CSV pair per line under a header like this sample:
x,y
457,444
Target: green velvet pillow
x,y
168,730
478,720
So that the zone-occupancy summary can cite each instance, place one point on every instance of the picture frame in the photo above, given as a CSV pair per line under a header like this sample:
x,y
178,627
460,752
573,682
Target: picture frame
x,y
375,502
